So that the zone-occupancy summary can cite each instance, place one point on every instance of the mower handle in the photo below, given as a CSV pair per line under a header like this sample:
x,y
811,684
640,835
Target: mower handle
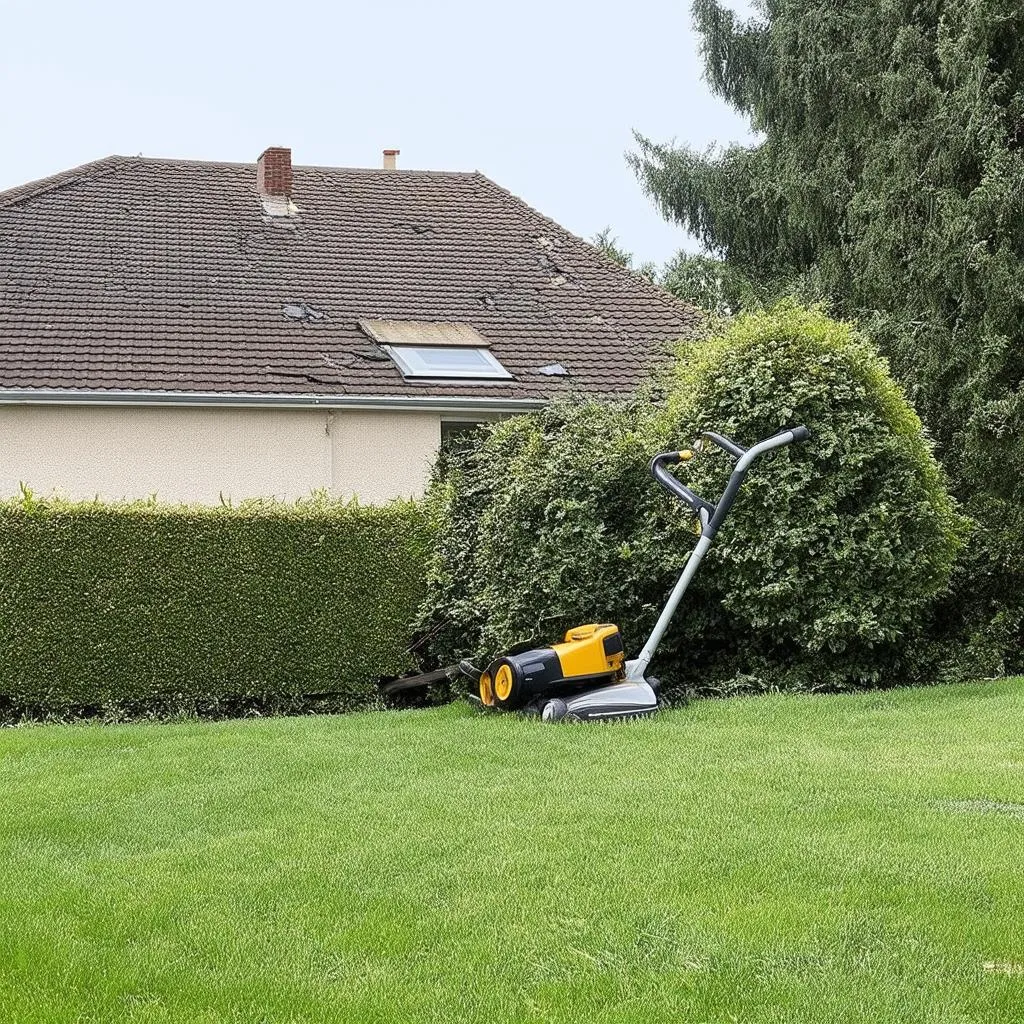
x,y
783,437
675,486
712,516
724,443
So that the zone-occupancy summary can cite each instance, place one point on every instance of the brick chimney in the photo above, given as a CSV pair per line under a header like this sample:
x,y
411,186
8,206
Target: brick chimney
x,y
391,159
274,172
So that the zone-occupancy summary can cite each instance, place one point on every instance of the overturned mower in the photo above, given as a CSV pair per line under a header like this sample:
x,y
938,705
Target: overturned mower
x,y
586,677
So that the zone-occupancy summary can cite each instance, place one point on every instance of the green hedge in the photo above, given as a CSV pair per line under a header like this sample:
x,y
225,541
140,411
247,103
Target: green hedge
x,y
138,608
826,576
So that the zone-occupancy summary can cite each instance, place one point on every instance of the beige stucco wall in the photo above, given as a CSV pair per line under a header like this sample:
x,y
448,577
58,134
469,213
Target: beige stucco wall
x,y
377,456
201,454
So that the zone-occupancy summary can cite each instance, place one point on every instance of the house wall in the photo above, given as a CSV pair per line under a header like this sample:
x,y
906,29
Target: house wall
x,y
201,454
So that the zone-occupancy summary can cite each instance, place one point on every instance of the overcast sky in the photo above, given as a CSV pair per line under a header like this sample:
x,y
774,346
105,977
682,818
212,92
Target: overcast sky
x,y
542,97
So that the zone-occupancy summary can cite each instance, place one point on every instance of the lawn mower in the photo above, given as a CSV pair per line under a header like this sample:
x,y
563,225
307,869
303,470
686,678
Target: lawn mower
x,y
586,677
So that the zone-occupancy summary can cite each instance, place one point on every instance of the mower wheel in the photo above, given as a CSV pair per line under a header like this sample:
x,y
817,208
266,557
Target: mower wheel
x,y
485,685
505,683
555,710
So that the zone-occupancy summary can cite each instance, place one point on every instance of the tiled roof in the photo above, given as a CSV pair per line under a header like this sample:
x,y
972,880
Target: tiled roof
x,y
165,275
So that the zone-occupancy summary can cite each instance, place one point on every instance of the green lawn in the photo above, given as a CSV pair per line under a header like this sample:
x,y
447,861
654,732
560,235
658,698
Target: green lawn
x,y
777,859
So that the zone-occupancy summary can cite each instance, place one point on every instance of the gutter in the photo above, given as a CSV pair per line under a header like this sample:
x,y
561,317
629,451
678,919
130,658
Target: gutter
x,y
251,400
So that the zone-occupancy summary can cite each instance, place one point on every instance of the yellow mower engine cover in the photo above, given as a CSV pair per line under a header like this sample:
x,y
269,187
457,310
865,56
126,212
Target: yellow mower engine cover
x,y
590,656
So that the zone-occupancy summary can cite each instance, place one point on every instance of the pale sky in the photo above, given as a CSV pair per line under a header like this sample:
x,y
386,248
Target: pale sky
x,y
542,97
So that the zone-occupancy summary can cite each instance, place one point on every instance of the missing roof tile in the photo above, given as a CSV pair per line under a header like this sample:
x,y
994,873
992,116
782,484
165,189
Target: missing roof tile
x,y
372,353
554,370
301,311
277,208
416,227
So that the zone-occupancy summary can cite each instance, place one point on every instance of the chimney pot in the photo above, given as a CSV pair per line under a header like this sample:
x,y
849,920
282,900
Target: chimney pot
x,y
274,172
391,159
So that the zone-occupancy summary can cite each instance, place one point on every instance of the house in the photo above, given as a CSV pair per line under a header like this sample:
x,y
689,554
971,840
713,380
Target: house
x,y
201,330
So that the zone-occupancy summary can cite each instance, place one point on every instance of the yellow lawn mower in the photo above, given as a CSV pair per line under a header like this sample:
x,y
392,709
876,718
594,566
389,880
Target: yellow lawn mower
x,y
586,677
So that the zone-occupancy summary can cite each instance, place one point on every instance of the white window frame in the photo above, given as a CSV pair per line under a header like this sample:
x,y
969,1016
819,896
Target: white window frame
x,y
408,359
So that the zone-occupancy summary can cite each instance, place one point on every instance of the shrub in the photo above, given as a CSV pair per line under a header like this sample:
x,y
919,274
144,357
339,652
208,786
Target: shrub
x,y
138,608
824,577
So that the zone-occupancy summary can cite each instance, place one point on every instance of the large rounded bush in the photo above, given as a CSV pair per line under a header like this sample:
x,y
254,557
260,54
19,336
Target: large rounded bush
x,y
823,577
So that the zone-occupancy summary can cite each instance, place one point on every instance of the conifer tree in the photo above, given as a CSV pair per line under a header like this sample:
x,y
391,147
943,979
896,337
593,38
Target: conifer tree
x,y
887,177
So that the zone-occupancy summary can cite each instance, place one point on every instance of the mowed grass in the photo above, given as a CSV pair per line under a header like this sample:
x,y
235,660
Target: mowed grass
x,y
854,858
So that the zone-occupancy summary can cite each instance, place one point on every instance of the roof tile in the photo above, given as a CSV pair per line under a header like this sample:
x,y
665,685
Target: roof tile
x,y
142,274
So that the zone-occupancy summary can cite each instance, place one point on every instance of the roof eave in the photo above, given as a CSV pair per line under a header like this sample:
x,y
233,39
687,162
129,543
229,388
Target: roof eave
x,y
254,400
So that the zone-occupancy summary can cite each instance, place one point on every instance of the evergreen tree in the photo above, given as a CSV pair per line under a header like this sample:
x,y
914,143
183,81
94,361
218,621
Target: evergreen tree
x,y
710,284
887,178
604,241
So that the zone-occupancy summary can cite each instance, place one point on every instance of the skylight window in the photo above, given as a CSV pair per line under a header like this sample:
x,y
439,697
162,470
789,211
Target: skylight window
x,y
438,350
434,361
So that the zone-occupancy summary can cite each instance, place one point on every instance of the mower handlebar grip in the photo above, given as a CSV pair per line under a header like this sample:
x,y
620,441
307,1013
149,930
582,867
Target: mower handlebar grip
x,y
738,451
724,443
660,473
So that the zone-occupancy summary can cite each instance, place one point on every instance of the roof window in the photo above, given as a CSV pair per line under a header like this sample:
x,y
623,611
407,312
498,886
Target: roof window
x,y
436,361
426,350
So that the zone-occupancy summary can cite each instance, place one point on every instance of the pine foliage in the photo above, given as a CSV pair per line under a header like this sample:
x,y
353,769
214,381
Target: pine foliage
x,y
887,178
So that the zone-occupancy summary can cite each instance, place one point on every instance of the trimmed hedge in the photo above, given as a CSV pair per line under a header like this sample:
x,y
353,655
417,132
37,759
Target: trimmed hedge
x,y
826,576
138,608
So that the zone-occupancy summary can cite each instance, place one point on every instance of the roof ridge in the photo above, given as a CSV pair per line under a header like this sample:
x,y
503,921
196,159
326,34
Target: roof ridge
x,y
656,291
397,172
192,162
63,179
30,190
